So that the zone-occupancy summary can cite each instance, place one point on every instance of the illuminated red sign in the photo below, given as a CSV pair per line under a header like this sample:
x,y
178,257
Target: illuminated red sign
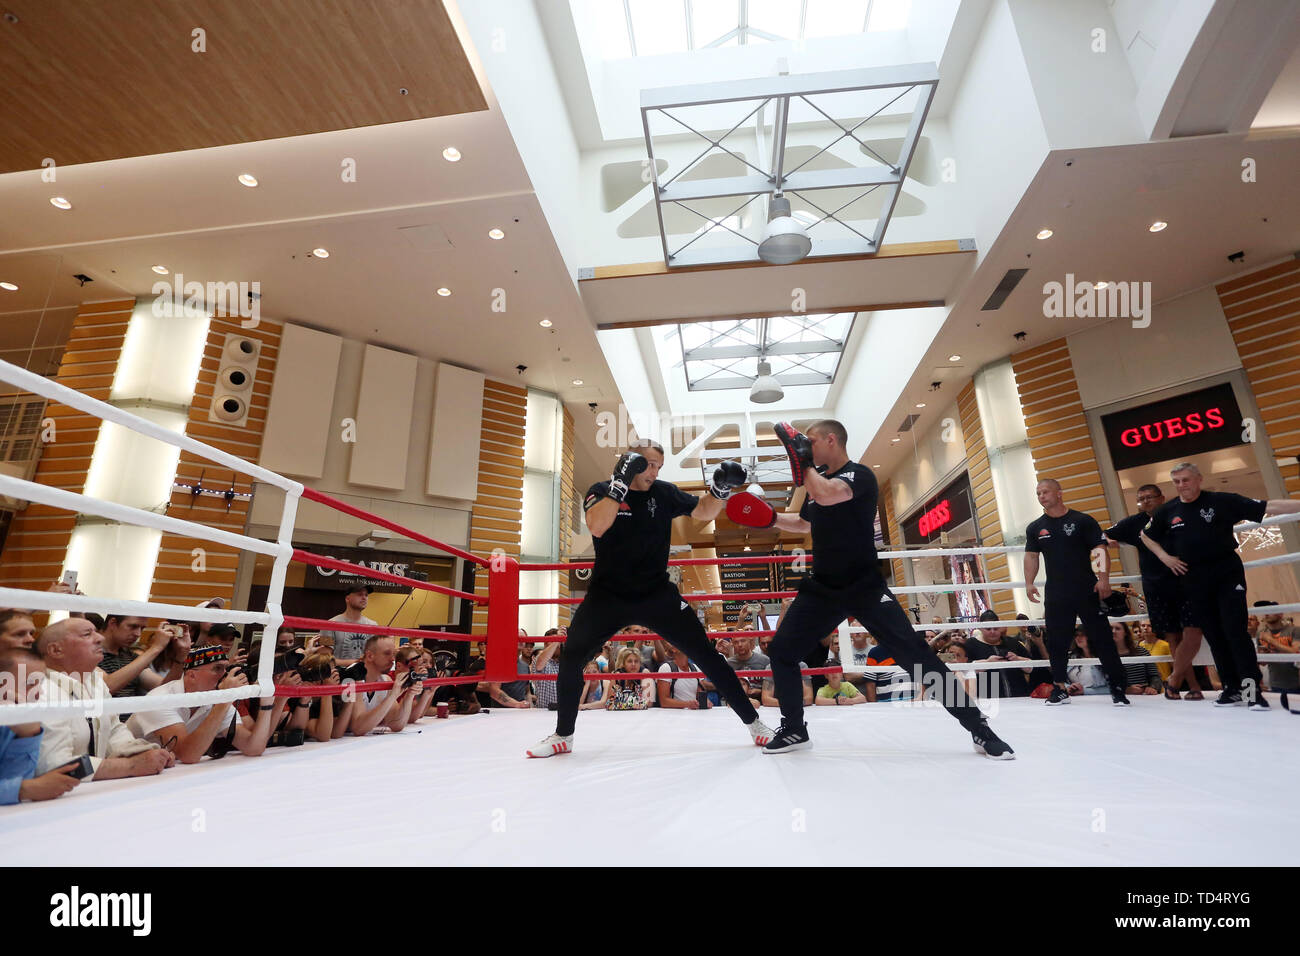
x,y
935,518
1177,427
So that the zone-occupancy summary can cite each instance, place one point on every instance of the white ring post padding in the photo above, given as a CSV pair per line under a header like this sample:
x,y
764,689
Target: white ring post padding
x,y
55,601
43,711
40,385
71,501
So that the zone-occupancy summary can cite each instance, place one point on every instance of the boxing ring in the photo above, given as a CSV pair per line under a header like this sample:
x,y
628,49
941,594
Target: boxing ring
x,y
1092,785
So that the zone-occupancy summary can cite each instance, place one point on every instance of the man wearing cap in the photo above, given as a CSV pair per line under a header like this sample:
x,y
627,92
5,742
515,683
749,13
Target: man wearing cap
x,y
190,732
350,645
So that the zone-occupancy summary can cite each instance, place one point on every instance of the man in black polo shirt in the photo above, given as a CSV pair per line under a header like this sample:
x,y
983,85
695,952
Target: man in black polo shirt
x,y
1069,540
1160,590
1192,536
631,519
840,511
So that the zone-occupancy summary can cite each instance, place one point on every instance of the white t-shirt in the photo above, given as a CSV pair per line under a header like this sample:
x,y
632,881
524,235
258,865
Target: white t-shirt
x,y
148,723
686,688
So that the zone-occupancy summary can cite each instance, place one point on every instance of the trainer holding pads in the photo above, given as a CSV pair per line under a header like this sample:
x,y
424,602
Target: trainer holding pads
x,y
845,582
1069,540
630,518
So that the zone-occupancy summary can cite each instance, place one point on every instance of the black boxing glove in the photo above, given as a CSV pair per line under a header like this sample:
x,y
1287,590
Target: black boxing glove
x,y
627,468
728,475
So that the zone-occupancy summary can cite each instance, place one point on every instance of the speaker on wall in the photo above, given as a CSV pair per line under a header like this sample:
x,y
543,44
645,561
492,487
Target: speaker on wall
x,y
233,393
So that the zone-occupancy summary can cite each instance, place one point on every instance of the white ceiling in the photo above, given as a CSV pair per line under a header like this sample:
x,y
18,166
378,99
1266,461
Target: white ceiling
x,y
1099,207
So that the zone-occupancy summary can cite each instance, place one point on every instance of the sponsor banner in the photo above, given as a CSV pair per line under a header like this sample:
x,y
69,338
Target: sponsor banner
x,y
389,562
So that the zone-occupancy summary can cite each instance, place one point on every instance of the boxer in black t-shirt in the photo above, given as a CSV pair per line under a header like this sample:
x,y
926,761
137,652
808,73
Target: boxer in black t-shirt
x,y
1069,540
1192,536
846,582
1163,596
631,520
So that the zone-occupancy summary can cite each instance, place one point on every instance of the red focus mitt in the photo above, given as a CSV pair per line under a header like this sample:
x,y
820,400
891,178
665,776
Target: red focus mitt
x,y
750,510
798,447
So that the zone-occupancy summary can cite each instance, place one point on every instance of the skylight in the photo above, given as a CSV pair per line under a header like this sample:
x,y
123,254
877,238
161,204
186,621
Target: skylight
x,y
802,350
630,28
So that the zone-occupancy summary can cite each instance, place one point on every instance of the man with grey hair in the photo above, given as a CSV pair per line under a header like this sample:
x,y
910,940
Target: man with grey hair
x,y
1192,536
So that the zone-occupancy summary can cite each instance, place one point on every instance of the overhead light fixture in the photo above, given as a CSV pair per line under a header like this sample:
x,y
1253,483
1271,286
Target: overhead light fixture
x,y
444,291
766,388
161,270
546,323
920,404
248,179
785,239
8,286
577,381
1044,234
60,202
496,234
1102,285
1157,226
321,253
451,154
747,548
954,358
895,441
875,466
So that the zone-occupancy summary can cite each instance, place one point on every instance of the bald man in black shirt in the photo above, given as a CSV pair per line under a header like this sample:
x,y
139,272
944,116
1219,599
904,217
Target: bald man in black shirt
x,y
1192,536
1069,540
631,520
846,582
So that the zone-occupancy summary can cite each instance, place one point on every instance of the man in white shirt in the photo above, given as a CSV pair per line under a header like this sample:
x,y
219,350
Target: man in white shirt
x,y
72,649
390,706
194,729
350,645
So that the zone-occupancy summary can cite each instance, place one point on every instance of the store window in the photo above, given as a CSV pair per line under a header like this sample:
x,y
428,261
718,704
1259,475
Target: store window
x,y
946,519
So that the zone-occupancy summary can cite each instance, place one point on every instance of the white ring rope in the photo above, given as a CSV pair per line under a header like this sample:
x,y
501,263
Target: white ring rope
x,y
43,386
65,707
71,501
57,601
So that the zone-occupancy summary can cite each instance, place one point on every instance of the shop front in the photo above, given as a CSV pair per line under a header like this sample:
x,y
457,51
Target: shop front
x,y
946,519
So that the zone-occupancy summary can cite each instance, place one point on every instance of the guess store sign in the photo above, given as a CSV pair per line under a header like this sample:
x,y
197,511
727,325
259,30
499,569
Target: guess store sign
x,y
943,512
1175,428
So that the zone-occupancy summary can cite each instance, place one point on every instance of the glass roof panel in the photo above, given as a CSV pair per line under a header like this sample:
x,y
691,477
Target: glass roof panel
x,y
834,18
729,351
658,27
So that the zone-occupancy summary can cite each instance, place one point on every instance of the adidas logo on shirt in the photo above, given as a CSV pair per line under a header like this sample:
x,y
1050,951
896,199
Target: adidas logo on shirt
x,y
884,599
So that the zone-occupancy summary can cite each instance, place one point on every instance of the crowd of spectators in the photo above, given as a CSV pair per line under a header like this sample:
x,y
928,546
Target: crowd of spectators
x,y
87,657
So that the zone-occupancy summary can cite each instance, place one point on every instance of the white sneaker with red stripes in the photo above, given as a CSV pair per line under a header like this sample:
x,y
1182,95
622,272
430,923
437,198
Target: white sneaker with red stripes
x,y
552,745
761,733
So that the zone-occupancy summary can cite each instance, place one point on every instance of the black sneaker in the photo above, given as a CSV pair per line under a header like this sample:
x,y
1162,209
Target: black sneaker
x,y
990,744
1229,698
1059,695
1258,702
1119,698
789,737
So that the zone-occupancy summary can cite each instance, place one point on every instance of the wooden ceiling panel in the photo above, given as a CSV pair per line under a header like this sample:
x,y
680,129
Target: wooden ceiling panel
x,y
87,82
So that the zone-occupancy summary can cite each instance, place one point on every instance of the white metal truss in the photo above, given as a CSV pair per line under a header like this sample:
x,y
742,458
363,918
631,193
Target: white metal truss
x,y
778,93
737,343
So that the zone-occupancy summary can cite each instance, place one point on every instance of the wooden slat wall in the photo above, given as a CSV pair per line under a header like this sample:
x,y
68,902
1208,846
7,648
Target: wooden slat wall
x,y
1059,442
986,506
175,578
567,497
497,518
1263,312
38,539
895,539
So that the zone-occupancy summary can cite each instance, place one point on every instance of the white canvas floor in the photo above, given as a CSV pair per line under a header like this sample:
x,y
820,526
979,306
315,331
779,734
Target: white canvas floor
x,y
1161,783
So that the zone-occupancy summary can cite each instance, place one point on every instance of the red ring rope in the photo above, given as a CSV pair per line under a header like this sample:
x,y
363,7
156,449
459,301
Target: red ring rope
x,y
673,675
736,596
329,690
620,638
321,498
320,561
675,563
348,626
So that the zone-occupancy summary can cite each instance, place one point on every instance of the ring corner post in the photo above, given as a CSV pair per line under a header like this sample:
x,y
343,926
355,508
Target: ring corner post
x,y
503,619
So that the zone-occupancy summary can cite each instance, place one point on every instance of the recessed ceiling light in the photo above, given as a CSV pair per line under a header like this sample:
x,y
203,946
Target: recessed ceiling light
x,y
1102,285
444,291
1157,226
60,202
875,466
248,179
9,286
920,404
321,253
496,234
1044,234
577,381
161,270
954,358
451,154
895,441
546,323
